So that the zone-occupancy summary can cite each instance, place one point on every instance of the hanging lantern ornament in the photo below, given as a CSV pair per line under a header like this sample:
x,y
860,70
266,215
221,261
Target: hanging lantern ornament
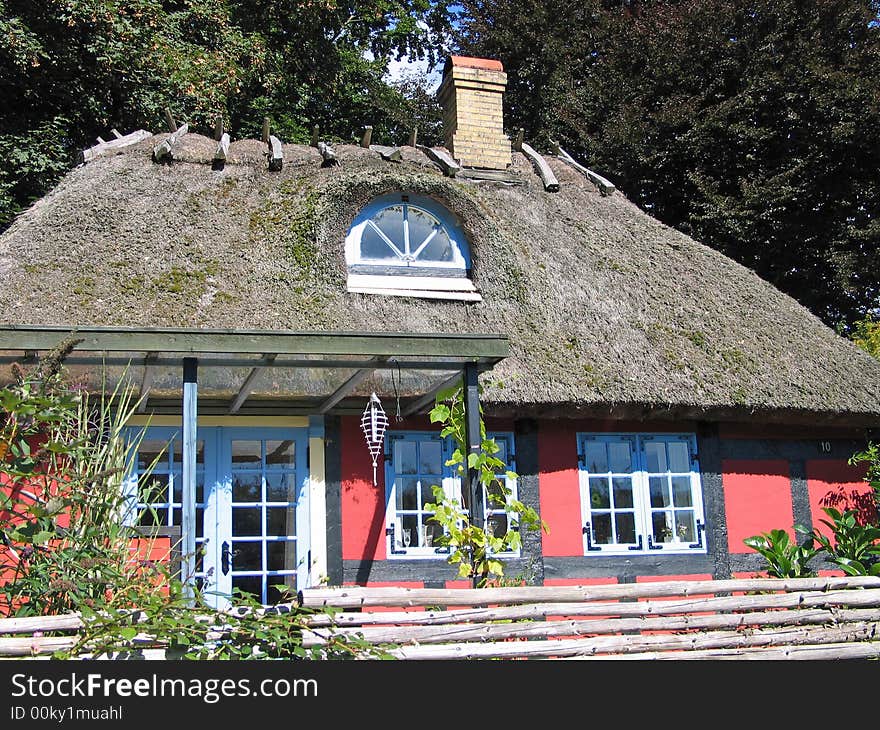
x,y
373,424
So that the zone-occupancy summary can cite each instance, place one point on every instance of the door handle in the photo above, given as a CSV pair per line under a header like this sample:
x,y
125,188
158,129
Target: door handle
x,y
225,557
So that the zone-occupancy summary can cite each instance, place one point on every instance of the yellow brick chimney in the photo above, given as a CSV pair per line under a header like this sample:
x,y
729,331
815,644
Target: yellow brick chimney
x,y
471,94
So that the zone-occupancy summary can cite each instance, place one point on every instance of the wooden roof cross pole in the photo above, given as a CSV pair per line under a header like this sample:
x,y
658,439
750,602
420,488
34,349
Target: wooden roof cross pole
x,y
328,153
169,120
391,154
121,141
449,166
163,149
517,141
551,184
222,138
275,155
315,130
606,187
367,136
413,137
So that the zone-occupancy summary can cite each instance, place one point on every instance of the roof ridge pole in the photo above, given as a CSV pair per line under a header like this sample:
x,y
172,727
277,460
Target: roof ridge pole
x,y
473,439
188,487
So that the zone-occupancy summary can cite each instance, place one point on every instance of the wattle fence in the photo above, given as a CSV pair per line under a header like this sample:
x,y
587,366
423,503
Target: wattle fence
x,y
760,618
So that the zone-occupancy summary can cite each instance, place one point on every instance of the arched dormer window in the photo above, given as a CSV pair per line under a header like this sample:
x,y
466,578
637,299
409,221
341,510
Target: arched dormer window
x,y
407,245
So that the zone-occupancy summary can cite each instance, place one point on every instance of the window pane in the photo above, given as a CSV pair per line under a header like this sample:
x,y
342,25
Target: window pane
x,y
430,457
501,454
497,524
374,247
246,453
407,491
281,521
390,221
596,457
626,527
496,494
659,492
623,492
427,493
421,225
440,249
247,487
405,457
681,491
155,489
599,498
679,459
621,457
430,531
409,534
656,456
661,524
280,453
686,526
602,529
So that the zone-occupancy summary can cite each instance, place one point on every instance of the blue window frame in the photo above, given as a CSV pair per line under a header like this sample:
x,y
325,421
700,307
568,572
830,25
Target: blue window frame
x,y
415,461
640,493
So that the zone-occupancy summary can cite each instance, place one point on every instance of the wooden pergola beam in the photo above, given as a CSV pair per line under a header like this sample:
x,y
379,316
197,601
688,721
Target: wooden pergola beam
x,y
429,397
247,386
147,381
349,385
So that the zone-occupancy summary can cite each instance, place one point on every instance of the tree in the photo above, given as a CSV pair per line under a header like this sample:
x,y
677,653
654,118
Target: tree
x,y
753,126
79,68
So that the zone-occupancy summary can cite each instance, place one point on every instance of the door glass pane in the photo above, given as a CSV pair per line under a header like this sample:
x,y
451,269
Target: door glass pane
x,y
246,453
280,453
623,493
247,555
681,491
280,488
247,521
280,556
679,459
154,489
281,521
150,452
178,452
252,584
620,457
596,456
655,453
247,487
430,457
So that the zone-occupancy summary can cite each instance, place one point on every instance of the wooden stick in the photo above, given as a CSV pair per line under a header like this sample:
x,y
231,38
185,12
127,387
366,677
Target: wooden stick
x,y
551,184
276,158
124,141
266,130
169,120
218,127
314,142
606,187
222,148
449,166
164,148
357,596
366,137
859,650
391,154
413,137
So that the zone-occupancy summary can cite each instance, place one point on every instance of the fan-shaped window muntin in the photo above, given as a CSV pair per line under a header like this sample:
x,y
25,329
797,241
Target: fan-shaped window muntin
x,y
408,236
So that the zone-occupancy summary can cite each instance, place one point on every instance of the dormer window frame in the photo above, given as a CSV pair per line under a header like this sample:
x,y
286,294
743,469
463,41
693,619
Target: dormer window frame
x,y
401,270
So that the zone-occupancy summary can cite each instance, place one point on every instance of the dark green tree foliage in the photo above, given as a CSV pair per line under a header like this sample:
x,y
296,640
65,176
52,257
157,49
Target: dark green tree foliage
x,y
752,125
72,70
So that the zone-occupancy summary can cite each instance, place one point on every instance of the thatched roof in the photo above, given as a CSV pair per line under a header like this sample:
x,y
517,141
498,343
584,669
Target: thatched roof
x,y
607,310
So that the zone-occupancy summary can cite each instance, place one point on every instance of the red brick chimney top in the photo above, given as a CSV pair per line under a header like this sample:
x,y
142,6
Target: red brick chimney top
x,y
487,64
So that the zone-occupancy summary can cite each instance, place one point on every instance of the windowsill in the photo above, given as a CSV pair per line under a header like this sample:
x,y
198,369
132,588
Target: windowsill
x,y
426,287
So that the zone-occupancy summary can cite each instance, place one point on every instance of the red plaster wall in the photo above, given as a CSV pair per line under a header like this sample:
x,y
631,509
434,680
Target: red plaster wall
x,y
757,497
834,483
363,503
559,491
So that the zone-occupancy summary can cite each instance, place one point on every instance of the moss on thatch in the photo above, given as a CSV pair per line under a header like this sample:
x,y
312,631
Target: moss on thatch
x,y
606,309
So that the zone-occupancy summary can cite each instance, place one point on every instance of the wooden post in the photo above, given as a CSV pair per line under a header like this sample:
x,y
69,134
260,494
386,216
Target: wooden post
x,y
518,139
551,184
188,496
265,130
115,133
169,120
367,136
218,128
413,137
474,445
164,148
276,158
315,130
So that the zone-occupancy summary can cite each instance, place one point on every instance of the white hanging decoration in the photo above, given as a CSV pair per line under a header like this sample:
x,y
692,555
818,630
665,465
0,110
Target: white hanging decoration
x,y
373,424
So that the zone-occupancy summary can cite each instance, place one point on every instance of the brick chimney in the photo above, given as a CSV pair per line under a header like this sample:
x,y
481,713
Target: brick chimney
x,y
471,94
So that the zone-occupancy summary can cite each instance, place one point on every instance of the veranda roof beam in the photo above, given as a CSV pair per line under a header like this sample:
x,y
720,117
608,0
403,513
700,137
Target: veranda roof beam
x,y
349,385
147,381
248,385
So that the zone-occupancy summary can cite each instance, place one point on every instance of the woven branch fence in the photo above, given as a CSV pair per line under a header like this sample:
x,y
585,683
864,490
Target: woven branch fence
x,y
762,618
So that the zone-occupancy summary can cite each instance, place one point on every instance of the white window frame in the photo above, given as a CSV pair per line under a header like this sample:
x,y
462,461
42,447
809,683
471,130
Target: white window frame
x,y
646,542
452,486
409,276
